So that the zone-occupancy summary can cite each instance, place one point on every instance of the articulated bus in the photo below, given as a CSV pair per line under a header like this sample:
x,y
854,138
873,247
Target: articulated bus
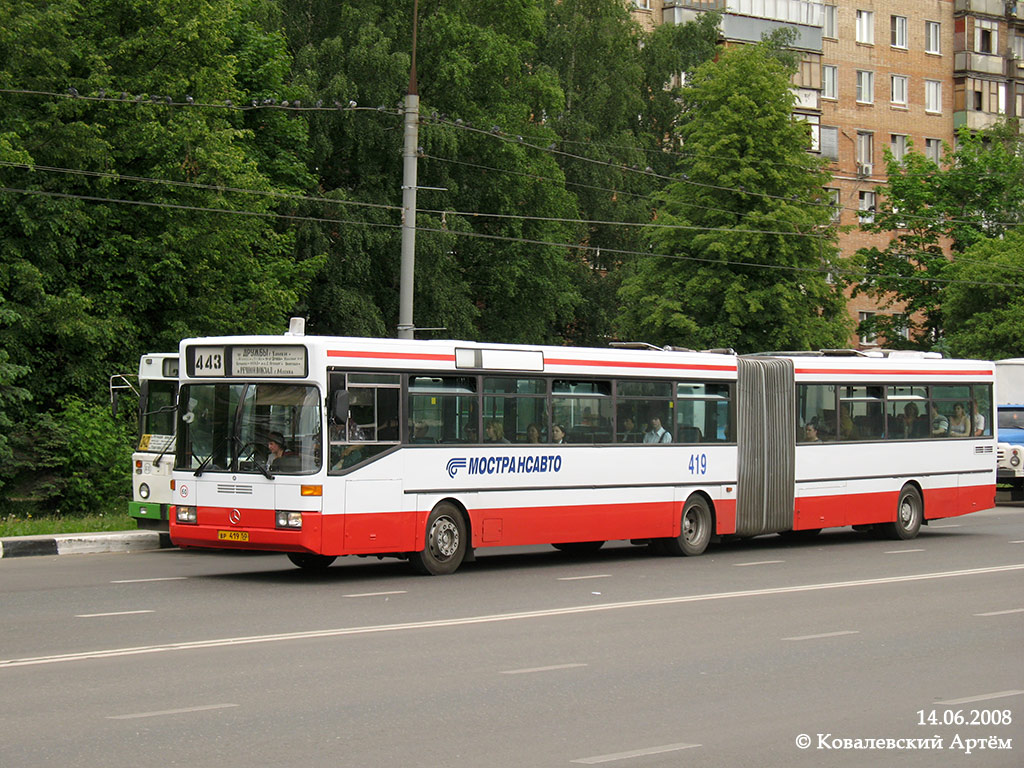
x,y
152,459
431,450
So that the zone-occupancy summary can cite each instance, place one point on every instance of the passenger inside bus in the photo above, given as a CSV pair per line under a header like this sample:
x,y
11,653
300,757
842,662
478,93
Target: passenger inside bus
x,y
495,432
657,433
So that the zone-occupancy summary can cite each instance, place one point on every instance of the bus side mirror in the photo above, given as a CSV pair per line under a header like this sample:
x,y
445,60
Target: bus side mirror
x,y
339,406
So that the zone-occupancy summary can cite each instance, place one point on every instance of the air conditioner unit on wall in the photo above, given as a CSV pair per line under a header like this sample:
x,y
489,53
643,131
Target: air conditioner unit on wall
x,y
864,170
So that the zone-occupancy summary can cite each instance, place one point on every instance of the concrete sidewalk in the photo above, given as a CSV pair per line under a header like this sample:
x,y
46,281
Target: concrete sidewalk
x,y
84,543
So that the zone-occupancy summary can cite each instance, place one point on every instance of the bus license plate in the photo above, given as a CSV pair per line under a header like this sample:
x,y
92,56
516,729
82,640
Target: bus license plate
x,y
232,535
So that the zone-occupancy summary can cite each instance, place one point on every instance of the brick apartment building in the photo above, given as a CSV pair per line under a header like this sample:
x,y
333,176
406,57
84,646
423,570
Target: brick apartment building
x,y
880,74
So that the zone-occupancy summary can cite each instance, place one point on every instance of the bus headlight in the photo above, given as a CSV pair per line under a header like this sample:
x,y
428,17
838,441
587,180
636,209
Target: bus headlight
x,y
185,515
287,519
1015,458
144,491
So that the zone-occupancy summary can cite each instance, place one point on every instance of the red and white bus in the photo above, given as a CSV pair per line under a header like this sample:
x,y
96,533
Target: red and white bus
x,y
429,450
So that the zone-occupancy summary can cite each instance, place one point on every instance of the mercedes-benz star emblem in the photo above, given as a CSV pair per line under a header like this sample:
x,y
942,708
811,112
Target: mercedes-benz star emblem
x,y
235,517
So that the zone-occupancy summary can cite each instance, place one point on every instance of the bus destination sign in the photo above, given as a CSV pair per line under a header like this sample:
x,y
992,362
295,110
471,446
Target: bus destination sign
x,y
249,360
268,361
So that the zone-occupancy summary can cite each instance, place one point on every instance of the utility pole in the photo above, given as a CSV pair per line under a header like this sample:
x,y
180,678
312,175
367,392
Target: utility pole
x,y
406,326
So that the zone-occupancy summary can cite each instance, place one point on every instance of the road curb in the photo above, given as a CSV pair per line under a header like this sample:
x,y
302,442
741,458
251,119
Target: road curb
x,y
84,543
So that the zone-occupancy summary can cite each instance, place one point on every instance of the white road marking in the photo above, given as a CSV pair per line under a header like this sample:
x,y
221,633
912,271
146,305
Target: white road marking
x,y
1018,541
825,634
184,710
982,697
494,618
902,551
934,527
582,578
540,669
1001,613
759,562
634,753
113,613
140,581
377,594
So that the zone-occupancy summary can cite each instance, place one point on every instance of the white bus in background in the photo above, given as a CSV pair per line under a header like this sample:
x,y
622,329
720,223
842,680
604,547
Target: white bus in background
x,y
433,450
153,457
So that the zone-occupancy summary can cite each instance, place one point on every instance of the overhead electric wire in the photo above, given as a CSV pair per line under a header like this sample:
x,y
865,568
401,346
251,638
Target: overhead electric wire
x,y
829,270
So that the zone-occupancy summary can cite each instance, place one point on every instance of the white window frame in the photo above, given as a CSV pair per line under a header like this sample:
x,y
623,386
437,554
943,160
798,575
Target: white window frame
x,y
898,145
1018,46
830,24
834,200
866,148
866,27
898,31
898,90
933,96
829,81
865,86
933,150
933,37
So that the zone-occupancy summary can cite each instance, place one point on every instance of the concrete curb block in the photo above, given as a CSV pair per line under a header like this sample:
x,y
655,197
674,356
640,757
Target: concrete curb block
x,y
84,543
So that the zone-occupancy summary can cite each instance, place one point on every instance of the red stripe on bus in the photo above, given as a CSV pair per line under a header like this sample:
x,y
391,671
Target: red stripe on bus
x,y
391,355
635,364
892,372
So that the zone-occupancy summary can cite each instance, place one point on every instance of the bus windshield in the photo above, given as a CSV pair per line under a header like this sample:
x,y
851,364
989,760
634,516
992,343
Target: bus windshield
x,y
156,421
266,429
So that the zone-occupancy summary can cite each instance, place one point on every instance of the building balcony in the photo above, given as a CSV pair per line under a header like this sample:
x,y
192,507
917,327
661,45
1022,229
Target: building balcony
x,y
984,7
975,121
985,63
747,20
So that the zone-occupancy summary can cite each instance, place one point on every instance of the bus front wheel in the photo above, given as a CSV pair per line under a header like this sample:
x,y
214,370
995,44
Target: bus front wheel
x,y
445,544
909,515
695,531
310,562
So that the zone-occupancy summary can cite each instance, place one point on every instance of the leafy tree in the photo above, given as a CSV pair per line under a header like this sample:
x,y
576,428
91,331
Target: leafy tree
x,y
99,262
934,214
983,304
744,240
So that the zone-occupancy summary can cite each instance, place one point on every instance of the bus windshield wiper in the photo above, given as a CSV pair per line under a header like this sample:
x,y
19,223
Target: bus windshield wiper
x,y
241,447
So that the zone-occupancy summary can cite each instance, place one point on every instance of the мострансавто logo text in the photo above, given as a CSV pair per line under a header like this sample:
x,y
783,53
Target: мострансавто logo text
x,y
505,465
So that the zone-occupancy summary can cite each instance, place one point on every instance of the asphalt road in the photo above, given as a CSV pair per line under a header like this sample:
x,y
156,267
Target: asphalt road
x,y
874,650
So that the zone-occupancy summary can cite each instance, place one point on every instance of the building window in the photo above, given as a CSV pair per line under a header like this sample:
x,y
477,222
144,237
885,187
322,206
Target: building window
x,y
829,27
933,150
865,87
932,95
986,36
986,96
644,5
932,37
898,31
832,195
1018,47
866,27
898,145
830,142
870,337
829,84
865,152
899,90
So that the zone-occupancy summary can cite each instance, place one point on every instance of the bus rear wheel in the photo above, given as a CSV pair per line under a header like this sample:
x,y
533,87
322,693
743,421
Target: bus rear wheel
x,y
695,532
909,515
310,562
445,544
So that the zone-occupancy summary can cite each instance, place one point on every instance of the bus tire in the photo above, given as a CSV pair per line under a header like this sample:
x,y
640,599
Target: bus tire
x,y
307,561
695,530
444,546
909,515
579,547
